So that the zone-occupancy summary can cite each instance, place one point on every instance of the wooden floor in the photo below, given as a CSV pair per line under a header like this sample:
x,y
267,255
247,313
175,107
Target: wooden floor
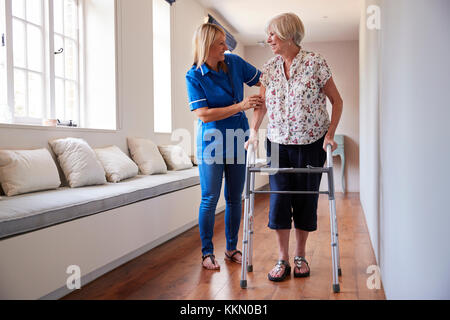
x,y
173,270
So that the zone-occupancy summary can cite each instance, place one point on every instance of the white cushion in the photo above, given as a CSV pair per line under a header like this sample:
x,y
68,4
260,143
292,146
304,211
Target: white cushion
x,y
146,155
23,171
117,165
78,162
175,157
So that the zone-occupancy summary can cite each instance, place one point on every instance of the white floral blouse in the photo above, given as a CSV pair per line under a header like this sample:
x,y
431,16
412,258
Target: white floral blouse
x,y
296,107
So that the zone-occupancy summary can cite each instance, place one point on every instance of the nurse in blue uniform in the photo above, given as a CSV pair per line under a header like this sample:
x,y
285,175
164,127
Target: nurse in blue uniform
x,y
215,86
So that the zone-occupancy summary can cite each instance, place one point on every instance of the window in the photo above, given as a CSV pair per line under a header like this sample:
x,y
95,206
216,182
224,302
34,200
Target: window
x,y
47,47
162,86
66,57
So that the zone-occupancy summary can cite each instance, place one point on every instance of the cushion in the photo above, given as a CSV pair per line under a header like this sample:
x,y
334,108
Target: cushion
x,y
118,166
29,212
23,171
78,162
175,157
194,159
146,155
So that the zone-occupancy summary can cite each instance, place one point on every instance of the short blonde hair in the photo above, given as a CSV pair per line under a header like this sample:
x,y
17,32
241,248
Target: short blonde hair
x,y
204,37
287,26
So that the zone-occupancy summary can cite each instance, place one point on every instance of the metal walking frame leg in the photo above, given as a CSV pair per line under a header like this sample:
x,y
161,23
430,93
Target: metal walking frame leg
x,y
247,240
333,223
250,223
247,256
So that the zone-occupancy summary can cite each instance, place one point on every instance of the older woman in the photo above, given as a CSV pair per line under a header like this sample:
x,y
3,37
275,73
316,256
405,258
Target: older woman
x,y
296,84
215,90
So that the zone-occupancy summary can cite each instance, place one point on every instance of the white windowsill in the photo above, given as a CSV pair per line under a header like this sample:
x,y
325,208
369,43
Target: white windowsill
x,y
59,128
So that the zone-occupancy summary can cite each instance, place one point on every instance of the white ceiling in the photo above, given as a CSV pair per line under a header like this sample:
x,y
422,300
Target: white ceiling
x,y
248,18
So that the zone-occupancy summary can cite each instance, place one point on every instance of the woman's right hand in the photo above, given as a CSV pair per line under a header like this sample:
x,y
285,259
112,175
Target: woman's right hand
x,y
255,101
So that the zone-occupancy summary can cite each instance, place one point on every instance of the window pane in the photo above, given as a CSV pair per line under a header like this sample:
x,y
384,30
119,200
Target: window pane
x,y
59,99
35,89
71,60
35,47
58,16
59,58
70,19
19,43
34,11
18,8
20,89
71,101
161,67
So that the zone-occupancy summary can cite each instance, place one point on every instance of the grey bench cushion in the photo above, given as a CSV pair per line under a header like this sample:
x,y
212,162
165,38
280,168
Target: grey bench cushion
x,y
33,211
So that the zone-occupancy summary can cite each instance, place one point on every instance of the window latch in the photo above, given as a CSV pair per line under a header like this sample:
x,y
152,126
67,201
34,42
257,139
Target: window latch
x,y
61,50
3,40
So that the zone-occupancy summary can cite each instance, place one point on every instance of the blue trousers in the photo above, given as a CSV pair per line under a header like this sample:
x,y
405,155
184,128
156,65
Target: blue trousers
x,y
211,183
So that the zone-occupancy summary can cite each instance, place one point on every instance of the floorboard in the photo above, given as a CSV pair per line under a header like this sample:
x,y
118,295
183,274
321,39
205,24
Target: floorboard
x,y
173,270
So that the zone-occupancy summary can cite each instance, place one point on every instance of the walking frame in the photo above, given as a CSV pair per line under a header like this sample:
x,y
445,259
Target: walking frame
x,y
251,170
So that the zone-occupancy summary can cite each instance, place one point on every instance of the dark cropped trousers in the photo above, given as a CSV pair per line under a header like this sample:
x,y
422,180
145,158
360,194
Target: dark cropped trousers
x,y
302,209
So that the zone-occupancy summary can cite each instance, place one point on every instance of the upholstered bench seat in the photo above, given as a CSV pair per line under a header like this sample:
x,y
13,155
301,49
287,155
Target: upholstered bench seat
x,y
34,211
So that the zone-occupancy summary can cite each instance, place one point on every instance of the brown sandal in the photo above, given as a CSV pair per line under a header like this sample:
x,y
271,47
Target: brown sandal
x,y
213,260
232,258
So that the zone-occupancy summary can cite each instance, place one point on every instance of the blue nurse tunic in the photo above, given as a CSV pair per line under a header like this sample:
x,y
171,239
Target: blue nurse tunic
x,y
212,89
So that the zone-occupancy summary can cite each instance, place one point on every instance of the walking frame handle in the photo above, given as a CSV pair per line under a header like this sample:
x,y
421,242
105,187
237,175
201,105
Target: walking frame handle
x,y
329,156
251,156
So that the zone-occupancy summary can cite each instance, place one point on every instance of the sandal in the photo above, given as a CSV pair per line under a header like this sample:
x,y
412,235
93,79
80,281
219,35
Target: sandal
x,y
298,264
278,266
213,261
232,256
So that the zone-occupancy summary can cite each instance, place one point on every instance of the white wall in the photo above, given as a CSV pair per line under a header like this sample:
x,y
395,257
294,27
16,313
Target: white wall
x,y
369,125
342,56
414,112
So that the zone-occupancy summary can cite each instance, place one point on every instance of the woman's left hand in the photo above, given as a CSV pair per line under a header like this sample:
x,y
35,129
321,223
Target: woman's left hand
x,y
329,139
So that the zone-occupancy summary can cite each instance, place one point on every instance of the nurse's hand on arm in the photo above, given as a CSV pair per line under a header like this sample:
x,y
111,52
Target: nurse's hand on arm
x,y
333,95
258,116
215,114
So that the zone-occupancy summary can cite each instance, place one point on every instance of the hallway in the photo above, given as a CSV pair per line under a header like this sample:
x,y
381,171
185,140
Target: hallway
x,y
173,271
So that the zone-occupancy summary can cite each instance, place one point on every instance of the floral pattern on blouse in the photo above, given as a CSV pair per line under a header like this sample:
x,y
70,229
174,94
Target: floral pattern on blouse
x,y
296,107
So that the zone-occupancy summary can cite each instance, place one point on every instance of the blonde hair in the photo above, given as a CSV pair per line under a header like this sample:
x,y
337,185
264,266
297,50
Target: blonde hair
x,y
287,26
203,39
